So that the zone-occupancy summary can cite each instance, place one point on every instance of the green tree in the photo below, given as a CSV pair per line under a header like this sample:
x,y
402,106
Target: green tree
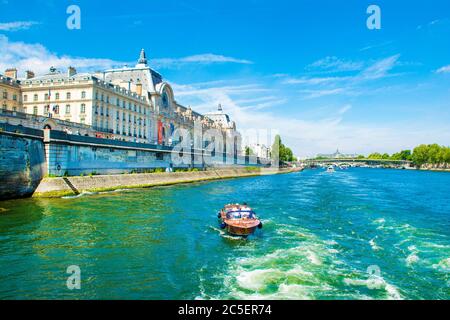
x,y
275,152
433,153
375,156
402,155
280,151
249,151
420,155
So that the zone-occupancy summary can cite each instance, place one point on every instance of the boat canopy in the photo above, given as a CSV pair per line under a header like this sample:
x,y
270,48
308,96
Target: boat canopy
x,y
239,214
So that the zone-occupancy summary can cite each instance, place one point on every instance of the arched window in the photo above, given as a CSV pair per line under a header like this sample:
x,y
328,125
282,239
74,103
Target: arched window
x,y
165,100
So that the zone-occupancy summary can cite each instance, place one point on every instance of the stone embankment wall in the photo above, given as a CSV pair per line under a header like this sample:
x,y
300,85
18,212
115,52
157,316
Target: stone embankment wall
x,y
436,167
62,186
22,165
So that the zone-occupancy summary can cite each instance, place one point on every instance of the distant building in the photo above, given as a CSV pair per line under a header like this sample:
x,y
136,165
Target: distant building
x,y
10,98
259,150
336,155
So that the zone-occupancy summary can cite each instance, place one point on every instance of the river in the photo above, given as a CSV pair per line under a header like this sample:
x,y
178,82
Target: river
x,y
352,234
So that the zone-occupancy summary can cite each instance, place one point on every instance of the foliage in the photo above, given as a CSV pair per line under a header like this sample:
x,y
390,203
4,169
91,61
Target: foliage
x,y
431,154
422,154
249,151
280,151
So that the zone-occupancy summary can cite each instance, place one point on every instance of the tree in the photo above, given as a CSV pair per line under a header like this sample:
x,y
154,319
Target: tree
x,y
375,156
420,155
249,151
433,153
402,155
280,151
275,152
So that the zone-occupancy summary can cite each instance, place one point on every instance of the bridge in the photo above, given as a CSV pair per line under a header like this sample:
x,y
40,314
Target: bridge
x,y
356,161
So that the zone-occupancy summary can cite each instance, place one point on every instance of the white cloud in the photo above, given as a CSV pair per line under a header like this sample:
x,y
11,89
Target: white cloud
x,y
207,58
379,69
318,86
39,59
445,69
36,57
376,70
334,64
17,25
312,94
344,109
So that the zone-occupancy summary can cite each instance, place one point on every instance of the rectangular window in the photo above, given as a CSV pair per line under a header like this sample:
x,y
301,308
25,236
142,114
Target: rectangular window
x,y
83,108
15,97
35,110
5,95
68,95
68,109
57,96
83,94
35,97
25,98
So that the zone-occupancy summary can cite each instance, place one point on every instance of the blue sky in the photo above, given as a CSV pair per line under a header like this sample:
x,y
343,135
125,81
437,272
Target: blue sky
x,y
311,70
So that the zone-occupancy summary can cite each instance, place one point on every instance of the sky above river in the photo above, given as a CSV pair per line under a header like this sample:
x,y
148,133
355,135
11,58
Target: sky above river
x,y
311,70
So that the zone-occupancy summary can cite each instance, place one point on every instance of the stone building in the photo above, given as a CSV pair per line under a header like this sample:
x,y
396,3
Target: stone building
x,y
113,111
10,98
129,103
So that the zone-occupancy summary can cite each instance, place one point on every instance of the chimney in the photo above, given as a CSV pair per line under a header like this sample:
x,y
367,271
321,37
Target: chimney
x,y
71,71
11,73
139,88
29,74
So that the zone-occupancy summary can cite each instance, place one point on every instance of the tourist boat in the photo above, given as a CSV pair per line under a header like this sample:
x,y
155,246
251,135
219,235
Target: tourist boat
x,y
239,219
330,169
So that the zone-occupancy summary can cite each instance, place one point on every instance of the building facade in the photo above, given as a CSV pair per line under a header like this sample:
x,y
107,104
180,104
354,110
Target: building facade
x,y
129,103
10,99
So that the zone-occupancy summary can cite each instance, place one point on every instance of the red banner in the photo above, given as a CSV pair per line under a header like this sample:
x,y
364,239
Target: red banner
x,y
160,132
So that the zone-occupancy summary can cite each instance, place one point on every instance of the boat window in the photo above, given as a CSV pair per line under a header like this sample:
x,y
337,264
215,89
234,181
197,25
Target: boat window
x,y
234,215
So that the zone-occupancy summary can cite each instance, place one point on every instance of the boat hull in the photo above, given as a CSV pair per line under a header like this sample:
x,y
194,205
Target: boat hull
x,y
240,231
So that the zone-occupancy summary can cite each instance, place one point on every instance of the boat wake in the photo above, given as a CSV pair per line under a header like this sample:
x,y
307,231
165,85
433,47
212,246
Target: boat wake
x,y
224,234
